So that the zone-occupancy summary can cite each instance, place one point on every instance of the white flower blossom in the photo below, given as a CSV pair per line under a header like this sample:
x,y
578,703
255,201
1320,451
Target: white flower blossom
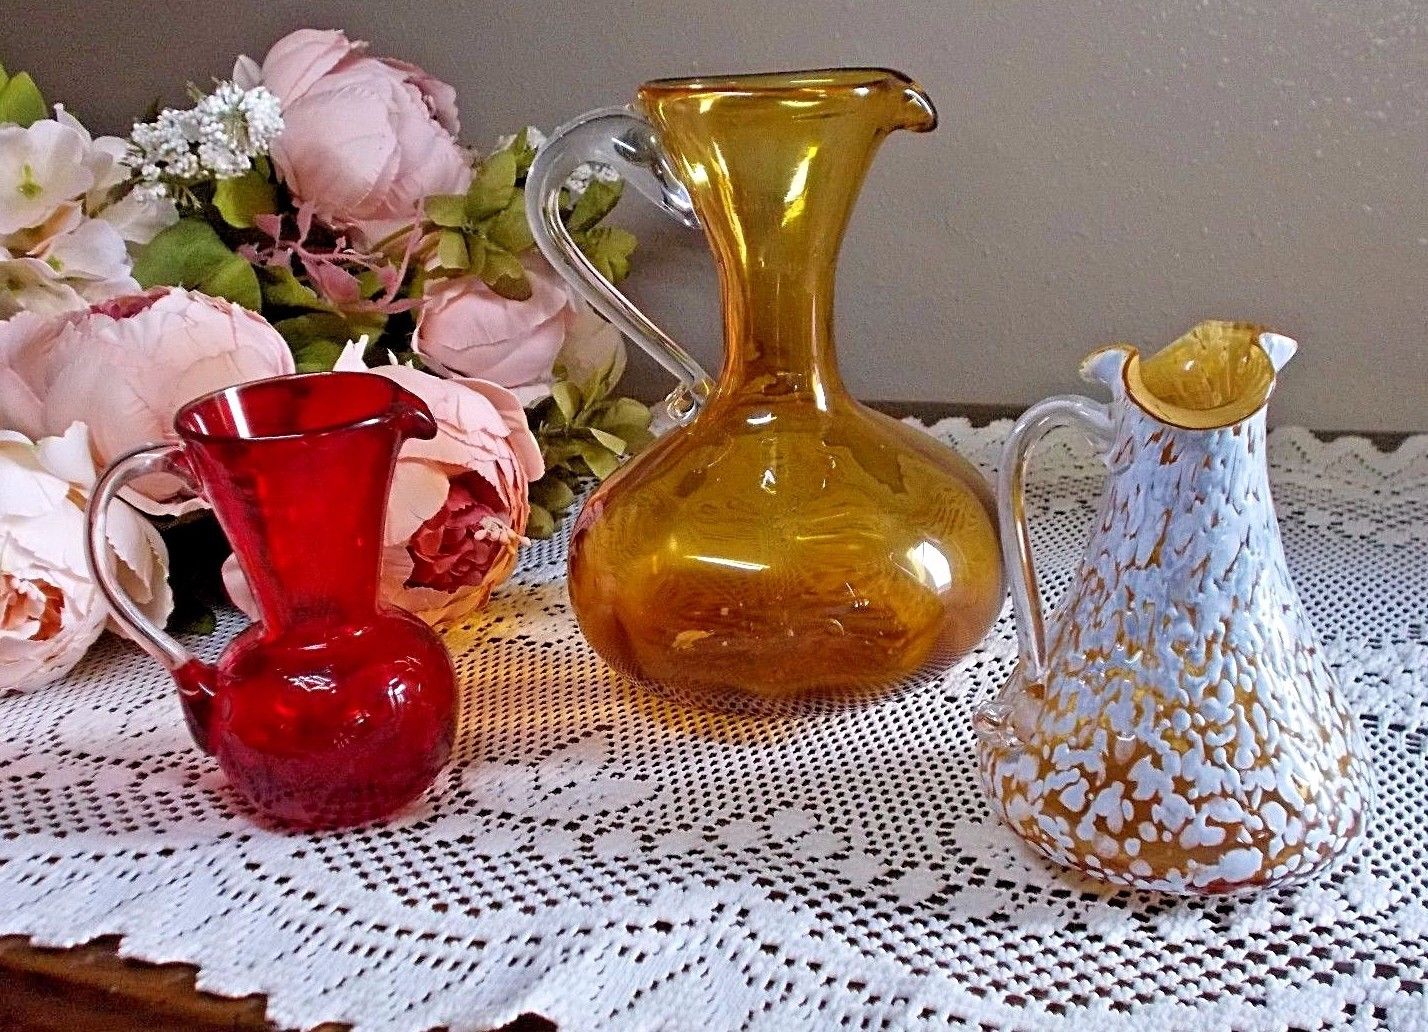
x,y
535,139
581,178
590,172
216,139
41,167
62,233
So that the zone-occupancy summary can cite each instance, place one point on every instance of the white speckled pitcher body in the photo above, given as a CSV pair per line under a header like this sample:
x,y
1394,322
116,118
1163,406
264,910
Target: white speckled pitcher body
x,y
1177,726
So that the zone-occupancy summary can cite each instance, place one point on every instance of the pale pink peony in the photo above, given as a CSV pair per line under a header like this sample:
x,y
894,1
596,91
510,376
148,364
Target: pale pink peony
x,y
126,366
51,610
459,502
465,328
365,139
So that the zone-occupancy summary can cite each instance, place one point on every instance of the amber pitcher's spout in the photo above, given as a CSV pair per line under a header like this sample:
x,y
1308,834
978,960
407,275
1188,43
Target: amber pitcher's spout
x,y
919,116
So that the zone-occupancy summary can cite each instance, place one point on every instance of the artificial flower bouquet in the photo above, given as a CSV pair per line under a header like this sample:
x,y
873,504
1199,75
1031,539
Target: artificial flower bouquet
x,y
316,211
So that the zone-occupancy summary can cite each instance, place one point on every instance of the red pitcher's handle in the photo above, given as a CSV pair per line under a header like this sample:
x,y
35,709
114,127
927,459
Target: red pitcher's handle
x,y
195,679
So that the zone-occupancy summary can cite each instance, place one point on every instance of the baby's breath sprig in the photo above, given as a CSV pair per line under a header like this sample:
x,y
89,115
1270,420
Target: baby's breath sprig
x,y
218,138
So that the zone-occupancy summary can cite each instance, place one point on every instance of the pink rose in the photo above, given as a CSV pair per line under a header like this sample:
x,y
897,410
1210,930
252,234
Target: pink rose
x,y
465,328
126,366
459,502
365,139
51,610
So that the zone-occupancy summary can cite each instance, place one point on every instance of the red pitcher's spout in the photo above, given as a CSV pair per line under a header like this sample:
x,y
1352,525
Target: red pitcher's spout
x,y
414,419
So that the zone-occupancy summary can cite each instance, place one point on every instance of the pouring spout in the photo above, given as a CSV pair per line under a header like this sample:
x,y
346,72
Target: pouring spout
x,y
918,114
415,421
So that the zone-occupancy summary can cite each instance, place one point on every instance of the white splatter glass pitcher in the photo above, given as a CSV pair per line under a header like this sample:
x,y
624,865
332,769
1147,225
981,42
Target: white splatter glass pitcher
x,y
1176,726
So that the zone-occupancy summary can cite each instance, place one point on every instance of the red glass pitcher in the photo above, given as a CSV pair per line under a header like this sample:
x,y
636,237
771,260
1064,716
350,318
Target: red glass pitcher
x,y
333,709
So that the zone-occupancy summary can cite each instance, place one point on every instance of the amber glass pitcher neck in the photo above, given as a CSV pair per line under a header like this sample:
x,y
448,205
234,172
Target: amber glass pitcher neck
x,y
773,164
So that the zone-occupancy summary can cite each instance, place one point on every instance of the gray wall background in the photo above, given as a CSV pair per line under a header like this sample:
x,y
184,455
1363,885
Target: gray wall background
x,y
1105,170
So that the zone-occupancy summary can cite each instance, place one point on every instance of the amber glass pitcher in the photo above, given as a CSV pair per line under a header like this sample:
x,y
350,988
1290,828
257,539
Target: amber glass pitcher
x,y
782,543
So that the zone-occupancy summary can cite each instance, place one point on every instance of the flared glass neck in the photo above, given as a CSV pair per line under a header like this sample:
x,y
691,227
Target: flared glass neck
x,y
1214,377
773,164
297,469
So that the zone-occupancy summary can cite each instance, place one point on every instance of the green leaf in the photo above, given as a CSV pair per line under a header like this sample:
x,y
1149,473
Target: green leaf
x,y
601,460
180,255
540,524
509,229
523,152
317,356
492,187
567,399
369,283
451,250
447,210
476,248
281,287
190,254
552,494
624,412
565,455
609,249
594,204
239,199
636,438
235,280
317,339
505,275
20,101
609,440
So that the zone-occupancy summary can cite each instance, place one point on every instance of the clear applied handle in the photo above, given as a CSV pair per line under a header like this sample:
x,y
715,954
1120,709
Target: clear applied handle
x,y
1063,410
195,679
623,140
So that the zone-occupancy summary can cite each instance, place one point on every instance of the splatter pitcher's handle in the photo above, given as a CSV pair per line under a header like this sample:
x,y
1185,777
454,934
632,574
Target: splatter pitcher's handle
x,y
1063,410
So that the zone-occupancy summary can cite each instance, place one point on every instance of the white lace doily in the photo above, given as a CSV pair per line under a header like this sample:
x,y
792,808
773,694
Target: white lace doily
x,y
601,858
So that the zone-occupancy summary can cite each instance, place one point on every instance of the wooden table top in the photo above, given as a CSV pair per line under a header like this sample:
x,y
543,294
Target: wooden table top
x,y
90,988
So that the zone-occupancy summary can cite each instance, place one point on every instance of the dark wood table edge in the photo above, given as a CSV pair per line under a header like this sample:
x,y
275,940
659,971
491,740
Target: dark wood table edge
x,y
92,987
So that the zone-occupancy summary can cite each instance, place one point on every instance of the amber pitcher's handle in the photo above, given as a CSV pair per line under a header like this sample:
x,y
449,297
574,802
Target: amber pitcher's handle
x,y
621,139
195,679
1062,410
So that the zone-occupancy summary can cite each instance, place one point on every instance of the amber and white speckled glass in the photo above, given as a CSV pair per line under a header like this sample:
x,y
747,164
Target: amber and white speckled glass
x,y
1177,727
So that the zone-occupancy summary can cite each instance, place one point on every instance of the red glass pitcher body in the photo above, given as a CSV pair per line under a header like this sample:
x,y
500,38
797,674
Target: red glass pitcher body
x,y
333,708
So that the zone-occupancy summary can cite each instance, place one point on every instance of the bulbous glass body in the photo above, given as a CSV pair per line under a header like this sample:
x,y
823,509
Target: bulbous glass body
x,y
776,553
334,725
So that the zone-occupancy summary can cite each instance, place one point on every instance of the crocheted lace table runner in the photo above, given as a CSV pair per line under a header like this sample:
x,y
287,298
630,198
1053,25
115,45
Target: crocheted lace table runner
x,y
604,859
